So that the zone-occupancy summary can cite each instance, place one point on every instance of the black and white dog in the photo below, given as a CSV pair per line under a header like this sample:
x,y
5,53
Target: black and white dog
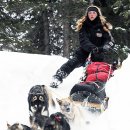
x,y
39,100
18,126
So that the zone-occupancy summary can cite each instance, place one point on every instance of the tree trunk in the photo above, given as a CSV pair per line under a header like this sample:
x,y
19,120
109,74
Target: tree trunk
x,y
46,32
66,29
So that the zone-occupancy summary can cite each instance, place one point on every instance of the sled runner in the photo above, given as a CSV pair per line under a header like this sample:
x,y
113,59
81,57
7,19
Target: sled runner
x,y
96,107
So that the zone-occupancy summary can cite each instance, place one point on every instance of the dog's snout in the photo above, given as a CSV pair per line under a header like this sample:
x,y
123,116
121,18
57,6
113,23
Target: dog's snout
x,y
68,109
35,106
40,106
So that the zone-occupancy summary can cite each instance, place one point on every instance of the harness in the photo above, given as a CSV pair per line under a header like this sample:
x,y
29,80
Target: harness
x,y
57,118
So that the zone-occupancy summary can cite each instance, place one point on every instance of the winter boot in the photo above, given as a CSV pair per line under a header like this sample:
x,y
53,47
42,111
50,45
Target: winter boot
x,y
58,78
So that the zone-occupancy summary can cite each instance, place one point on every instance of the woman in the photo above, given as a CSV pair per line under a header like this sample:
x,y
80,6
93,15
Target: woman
x,y
94,36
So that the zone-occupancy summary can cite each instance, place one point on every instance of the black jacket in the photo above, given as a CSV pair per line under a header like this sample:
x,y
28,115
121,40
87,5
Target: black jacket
x,y
92,35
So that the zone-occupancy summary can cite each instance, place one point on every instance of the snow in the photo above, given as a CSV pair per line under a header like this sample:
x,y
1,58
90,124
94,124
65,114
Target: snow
x,y
120,28
20,71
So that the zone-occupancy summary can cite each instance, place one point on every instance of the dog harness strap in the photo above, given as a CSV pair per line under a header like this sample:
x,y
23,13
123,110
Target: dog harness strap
x,y
58,118
97,73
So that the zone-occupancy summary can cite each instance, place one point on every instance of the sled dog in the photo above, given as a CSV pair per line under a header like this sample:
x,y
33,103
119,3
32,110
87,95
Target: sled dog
x,y
39,100
71,110
18,126
57,121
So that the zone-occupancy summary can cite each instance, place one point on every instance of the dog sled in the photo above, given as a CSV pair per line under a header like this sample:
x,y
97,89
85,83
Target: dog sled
x,y
90,91
94,106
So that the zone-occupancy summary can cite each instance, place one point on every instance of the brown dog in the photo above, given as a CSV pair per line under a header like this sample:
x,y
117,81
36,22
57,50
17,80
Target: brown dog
x,y
73,111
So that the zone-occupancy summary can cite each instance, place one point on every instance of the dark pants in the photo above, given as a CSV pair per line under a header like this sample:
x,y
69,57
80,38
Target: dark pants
x,y
77,61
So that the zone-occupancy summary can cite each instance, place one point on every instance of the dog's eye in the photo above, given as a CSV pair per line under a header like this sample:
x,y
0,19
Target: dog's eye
x,y
34,98
41,98
68,104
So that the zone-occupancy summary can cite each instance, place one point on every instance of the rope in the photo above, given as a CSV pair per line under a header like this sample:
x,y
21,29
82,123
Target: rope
x,y
107,78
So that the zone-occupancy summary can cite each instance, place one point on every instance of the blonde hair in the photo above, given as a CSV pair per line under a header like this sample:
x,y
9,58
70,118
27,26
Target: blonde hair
x,y
106,25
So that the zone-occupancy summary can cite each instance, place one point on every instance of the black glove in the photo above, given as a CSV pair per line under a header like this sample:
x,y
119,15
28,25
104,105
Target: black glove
x,y
107,47
97,50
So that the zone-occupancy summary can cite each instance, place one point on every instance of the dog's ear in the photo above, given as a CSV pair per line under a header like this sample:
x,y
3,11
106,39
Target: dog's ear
x,y
43,86
8,125
70,99
59,101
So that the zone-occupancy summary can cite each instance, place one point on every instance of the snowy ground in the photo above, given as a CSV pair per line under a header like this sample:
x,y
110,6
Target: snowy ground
x,y
20,71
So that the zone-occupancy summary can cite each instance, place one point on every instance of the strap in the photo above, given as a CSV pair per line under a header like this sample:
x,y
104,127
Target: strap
x,y
57,118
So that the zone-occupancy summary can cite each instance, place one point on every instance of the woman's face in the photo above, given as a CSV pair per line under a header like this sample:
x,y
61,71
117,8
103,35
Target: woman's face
x,y
92,15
